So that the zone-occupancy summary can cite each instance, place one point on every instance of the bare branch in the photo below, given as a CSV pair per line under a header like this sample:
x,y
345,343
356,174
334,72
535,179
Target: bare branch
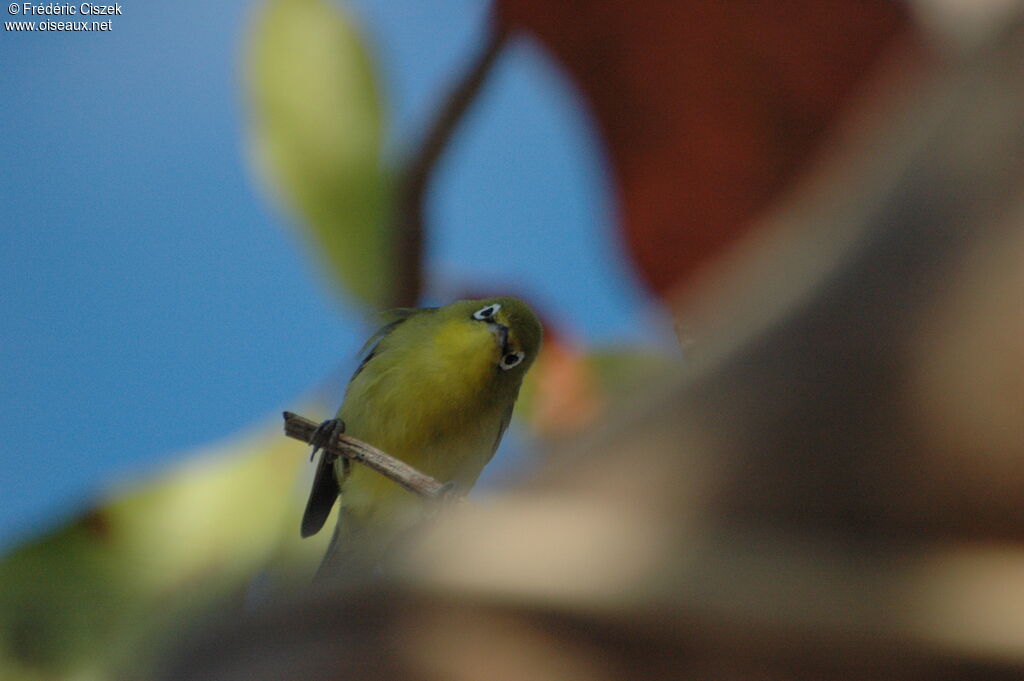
x,y
301,428
413,185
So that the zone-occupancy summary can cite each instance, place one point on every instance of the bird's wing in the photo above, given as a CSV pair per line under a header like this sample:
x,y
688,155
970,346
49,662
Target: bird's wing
x,y
390,319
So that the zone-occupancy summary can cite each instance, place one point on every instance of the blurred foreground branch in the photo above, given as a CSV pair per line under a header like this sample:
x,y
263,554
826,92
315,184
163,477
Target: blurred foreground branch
x,y
415,178
300,428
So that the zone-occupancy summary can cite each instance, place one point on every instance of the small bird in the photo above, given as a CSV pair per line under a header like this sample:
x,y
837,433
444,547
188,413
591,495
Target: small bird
x,y
435,388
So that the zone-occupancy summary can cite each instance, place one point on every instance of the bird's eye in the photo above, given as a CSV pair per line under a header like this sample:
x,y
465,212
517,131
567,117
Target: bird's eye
x,y
511,359
486,313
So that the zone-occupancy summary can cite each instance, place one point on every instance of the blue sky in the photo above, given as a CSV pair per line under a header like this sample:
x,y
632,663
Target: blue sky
x,y
154,299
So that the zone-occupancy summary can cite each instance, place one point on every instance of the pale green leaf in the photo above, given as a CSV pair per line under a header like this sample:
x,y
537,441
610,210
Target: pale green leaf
x,y
100,597
317,131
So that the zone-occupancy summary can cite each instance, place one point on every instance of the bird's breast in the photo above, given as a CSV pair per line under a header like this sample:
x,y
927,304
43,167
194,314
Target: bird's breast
x,y
437,391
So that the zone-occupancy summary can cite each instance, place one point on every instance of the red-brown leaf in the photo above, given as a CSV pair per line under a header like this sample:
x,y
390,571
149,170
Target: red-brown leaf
x,y
707,108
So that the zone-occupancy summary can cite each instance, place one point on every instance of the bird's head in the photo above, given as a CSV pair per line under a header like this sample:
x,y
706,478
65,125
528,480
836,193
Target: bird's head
x,y
516,331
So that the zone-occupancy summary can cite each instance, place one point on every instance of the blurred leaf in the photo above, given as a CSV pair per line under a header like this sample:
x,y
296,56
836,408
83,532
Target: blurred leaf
x,y
316,124
571,389
709,110
109,590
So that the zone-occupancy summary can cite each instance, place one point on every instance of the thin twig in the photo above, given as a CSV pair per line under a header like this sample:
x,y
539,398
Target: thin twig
x,y
415,177
301,428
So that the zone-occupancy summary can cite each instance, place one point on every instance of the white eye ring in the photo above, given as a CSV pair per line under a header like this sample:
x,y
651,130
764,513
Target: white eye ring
x,y
486,313
511,359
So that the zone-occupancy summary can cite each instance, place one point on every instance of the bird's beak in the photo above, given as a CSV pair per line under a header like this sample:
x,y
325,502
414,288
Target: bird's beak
x,y
501,335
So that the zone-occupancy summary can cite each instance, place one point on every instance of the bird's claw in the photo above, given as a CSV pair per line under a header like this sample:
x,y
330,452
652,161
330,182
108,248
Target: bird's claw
x,y
324,435
448,493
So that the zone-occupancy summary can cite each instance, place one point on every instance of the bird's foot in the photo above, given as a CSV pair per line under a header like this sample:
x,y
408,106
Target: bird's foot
x,y
449,493
324,435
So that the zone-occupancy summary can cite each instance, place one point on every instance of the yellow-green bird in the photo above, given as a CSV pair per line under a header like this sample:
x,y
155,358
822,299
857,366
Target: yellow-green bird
x,y
436,388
